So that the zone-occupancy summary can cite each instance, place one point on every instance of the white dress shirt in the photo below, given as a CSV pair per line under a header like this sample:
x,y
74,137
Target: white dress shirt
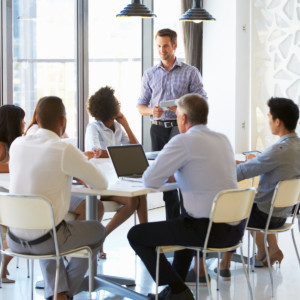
x,y
43,164
203,163
97,135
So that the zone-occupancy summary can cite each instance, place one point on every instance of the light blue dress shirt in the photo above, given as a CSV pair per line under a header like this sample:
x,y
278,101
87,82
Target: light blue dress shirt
x,y
158,85
280,161
97,135
203,164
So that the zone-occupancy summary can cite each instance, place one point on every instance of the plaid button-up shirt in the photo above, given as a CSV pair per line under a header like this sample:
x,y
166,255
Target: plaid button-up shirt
x,y
158,85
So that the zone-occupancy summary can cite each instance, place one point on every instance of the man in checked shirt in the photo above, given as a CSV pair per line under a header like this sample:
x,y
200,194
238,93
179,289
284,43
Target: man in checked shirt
x,y
168,80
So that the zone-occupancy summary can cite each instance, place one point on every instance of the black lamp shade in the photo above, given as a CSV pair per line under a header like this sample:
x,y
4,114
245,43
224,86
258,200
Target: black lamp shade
x,y
197,13
136,9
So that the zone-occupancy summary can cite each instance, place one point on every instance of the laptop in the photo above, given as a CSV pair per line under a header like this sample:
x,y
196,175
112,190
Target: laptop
x,y
129,161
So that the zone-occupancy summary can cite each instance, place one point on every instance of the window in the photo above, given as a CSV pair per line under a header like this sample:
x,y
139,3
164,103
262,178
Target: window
x,y
44,55
115,56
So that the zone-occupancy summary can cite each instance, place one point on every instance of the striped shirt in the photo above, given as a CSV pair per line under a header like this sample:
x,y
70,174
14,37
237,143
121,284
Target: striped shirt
x,y
158,85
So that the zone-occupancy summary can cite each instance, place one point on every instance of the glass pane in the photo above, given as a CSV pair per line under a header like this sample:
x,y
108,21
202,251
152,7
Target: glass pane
x,y
44,56
165,19
115,56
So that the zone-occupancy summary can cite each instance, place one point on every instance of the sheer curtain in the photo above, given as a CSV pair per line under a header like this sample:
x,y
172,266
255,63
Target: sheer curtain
x,y
192,38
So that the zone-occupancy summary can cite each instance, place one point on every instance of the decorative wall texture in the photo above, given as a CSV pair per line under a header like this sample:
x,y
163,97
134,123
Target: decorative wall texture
x,y
275,61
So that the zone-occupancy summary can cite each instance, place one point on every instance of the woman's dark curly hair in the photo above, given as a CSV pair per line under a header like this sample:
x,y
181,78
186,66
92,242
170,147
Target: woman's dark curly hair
x,y
103,105
11,117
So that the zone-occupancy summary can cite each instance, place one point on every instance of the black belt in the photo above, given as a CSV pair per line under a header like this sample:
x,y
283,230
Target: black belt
x,y
39,240
166,124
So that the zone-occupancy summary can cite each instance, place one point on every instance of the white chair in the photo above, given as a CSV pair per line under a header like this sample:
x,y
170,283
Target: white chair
x,y
286,194
228,206
35,212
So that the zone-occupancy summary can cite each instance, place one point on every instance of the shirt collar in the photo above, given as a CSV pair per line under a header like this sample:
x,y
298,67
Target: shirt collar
x,y
101,124
201,127
177,63
48,133
287,136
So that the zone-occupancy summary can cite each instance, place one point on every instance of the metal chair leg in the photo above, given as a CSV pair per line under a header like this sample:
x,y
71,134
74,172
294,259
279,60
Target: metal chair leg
x,y
197,275
206,275
246,273
269,264
295,245
157,271
31,279
218,273
28,271
253,251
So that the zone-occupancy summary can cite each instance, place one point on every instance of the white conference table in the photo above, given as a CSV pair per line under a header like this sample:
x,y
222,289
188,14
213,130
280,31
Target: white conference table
x,y
115,188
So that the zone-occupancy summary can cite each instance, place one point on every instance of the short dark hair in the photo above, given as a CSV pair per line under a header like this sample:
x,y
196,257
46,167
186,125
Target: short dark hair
x,y
195,107
49,112
11,117
168,32
102,105
285,110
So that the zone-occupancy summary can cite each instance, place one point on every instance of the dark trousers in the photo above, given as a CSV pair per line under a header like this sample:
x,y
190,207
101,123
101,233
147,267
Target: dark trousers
x,y
159,137
185,231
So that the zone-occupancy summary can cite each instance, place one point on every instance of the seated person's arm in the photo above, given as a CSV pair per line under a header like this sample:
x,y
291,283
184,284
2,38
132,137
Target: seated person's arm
x,y
123,121
4,167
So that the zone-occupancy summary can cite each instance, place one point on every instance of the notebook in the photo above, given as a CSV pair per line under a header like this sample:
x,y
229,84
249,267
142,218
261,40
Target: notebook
x,y
129,161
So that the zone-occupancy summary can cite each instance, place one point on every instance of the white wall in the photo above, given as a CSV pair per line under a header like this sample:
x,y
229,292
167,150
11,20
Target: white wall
x,y
226,69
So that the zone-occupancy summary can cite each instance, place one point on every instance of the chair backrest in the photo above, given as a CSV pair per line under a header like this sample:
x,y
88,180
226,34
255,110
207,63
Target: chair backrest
x,y
27,212
232,205
286,193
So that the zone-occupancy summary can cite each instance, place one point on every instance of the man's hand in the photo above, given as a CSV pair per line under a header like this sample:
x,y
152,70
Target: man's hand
x,y
96,153
171,179
79,181
250,156
157,111
172,108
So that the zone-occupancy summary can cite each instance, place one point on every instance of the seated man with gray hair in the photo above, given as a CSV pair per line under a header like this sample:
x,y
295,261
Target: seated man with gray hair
x,y
203,164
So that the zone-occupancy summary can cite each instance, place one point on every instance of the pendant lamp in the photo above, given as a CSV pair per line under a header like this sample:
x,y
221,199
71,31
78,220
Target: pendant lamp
x,y
197,14
136,9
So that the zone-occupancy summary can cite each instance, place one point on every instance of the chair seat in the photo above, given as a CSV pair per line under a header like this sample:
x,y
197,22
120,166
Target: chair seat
x,y
79,252
285,227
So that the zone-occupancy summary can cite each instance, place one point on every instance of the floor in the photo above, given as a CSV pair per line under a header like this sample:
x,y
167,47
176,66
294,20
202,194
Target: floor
x,y
121,261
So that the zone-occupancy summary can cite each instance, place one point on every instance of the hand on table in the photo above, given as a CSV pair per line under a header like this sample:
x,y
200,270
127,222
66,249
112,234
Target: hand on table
x,y
96,153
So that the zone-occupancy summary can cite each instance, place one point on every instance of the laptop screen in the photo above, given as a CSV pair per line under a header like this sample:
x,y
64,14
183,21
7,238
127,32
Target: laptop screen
x,y
128,160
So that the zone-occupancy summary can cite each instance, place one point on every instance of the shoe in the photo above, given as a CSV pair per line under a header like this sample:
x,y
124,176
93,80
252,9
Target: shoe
x,y
162,294
166,294
68,297
7,280
277,256
225,274
191,279
258,263
102,255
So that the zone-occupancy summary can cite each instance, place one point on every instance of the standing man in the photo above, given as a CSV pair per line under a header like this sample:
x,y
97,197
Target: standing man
x,y
168,80
43,164
203,164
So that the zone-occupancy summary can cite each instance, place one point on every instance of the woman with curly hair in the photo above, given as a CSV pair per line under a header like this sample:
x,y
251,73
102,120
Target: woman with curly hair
x,y
12,125
112,129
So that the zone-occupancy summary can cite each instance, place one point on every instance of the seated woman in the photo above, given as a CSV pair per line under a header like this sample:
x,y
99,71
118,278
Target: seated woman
x,y
77,202
280,161
12,125
107,130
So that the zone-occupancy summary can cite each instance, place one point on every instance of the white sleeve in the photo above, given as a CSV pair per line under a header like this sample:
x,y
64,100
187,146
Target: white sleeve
x,y
75,163
171,158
